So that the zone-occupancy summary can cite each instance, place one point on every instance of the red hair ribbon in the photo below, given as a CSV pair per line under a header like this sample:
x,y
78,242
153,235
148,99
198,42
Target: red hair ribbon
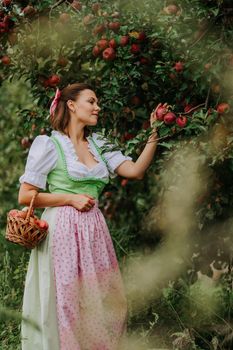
x,y
55,102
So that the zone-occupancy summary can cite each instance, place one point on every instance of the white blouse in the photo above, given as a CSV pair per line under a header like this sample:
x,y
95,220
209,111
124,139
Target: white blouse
x,y
42,158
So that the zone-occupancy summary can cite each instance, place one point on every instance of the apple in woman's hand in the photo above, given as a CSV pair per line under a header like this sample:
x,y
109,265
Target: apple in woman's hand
x,y
160,111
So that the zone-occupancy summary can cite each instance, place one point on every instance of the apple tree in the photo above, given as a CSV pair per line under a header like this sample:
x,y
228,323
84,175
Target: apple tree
x,y
135,54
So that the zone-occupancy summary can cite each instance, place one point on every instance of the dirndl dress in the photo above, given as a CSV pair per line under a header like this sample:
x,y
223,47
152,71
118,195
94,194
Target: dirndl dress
x,y
73,290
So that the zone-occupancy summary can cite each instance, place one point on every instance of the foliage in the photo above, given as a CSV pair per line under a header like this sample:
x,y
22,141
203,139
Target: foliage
x,y
174,52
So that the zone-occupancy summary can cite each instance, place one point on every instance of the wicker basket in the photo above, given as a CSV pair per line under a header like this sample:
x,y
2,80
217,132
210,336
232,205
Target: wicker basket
x,y
25,231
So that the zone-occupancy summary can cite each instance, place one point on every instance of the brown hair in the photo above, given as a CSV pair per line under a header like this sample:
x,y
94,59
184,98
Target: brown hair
x,y
61,116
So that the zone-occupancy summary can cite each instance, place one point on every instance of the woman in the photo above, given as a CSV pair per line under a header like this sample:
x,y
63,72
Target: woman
x,y
73,288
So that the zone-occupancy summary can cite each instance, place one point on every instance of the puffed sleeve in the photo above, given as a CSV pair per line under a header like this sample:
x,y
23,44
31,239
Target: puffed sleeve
x,y
42,158
113,158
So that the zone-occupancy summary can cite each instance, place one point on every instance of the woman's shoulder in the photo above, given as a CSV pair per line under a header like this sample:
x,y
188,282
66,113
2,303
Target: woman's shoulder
x,y
99,138
42,139
103,142
42,144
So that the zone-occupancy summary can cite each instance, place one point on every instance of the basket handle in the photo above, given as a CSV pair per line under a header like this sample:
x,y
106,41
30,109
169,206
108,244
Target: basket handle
x,y
29,212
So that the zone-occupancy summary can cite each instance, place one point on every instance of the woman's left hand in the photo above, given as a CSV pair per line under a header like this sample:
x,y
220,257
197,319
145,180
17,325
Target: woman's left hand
x,y
153,117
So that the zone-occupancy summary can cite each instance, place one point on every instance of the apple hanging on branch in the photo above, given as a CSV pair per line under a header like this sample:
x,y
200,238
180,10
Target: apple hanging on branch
x,y
181,121
223,108
109,54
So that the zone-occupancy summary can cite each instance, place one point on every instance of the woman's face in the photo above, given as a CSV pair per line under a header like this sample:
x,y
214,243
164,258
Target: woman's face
x,y
85,107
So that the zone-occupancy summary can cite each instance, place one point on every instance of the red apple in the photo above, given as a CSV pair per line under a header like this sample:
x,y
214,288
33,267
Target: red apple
x,y
109,54
99,29
135,100
146,125
112,43
179,66
96,51
223,108
43,131
207,66
128,136
76,5
172,76
25,142
124,40
144,60
54,80
3,27
171,9
33,127
42,224
64,17
6,60
62,61
6,2
169,118
181,121
135,48
13,212
114,26
216,88
22,214
87,19
102,44
9,22
141,36
29,11
160,113
95,7
124,182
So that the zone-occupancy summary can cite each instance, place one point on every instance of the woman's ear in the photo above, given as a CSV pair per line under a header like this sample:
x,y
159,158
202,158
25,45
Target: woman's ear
x,y
70,105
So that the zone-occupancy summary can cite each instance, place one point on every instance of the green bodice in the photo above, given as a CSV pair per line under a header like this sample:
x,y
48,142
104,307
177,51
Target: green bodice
x,y
60,181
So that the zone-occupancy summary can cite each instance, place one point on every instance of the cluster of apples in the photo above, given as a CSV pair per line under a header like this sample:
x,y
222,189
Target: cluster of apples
x,y
108,47
29,10
42,224
52,81
6,27
168,117
6,23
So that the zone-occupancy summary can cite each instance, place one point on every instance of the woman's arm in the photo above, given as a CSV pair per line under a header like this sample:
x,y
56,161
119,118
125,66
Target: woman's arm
x,y
81,202
136,170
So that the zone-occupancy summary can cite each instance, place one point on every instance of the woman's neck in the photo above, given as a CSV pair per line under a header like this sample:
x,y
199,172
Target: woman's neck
x,y
76,134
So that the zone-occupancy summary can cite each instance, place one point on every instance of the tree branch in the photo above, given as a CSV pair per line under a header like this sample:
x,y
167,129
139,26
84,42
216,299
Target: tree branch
x,y
192,109
57,4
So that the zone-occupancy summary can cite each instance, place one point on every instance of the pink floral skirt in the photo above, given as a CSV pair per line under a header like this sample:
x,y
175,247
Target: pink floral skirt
x,y
90,303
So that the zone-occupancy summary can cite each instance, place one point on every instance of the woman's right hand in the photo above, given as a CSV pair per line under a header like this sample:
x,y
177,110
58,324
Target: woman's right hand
x,y
82,202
